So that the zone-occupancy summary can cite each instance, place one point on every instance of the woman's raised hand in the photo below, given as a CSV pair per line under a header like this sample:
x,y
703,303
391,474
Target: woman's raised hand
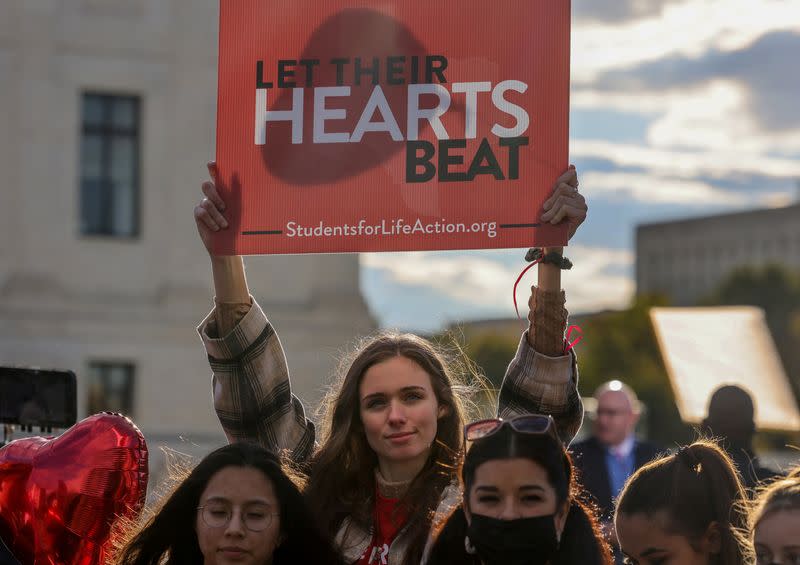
x,y
566,203
208,213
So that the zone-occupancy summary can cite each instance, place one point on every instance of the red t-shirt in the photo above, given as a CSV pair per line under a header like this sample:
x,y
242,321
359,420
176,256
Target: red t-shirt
x,y
387,524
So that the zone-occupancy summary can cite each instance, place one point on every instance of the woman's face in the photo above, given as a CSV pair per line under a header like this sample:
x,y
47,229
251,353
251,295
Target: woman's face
x,y
236,502
399,411
645,540
512,488
777,538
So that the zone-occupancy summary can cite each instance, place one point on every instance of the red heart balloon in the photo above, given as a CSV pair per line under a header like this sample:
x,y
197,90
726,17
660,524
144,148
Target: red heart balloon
x,y
59,497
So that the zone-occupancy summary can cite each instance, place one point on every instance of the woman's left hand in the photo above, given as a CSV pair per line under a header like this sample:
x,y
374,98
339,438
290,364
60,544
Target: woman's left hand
x,y
566,203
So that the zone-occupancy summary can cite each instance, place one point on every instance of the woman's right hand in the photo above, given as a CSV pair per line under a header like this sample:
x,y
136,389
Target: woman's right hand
x,y
208,213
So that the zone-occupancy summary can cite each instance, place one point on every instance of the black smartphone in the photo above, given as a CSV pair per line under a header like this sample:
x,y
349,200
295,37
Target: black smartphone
x,y
38,397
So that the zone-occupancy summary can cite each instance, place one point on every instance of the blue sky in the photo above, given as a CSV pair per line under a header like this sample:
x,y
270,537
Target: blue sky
x,y
678,108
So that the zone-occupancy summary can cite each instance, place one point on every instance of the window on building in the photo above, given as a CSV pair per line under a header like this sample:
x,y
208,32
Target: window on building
x,y
109,167
111,387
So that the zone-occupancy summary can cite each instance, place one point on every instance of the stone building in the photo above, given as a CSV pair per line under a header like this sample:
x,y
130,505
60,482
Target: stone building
x,y
686,259
107,118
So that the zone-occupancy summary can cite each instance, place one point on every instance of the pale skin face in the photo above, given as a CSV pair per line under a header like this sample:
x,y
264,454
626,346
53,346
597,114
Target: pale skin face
x,y
248,492
513,488
399,411
615,418
645,540
777,538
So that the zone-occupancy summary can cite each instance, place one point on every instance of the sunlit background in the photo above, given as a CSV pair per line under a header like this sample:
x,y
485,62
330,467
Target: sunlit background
x,y
680,109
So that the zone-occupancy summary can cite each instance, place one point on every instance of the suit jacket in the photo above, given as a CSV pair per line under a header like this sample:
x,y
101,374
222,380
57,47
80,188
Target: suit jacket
x,y
589,457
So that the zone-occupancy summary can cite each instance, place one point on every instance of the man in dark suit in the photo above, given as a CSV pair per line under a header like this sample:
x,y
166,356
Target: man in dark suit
x,y
612,454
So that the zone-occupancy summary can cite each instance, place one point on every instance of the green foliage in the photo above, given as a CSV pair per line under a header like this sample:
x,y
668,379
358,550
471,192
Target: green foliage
x,y
478,359
622,344
492,353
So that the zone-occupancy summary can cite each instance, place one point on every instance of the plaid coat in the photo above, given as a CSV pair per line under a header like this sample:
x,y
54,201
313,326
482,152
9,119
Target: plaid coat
x,y
254,401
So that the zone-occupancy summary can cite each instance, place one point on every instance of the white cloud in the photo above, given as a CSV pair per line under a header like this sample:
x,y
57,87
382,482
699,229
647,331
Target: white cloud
x,y
716,117
687,29
468,277
601,278
481,283
711,125
587,98
685,163
658,189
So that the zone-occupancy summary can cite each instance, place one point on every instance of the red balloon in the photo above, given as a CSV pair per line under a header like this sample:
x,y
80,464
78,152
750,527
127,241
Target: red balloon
x,y
59,497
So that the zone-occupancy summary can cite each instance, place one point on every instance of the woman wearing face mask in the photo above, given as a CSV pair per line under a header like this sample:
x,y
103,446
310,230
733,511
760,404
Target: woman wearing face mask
x,y
775,522
522,504
391,431
236,506
685,509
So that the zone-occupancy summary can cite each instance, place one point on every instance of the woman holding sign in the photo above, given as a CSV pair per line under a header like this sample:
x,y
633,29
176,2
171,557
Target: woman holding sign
x,y
386,464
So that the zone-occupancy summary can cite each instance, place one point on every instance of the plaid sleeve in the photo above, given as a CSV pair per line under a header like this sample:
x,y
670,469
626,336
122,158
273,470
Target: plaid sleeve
x,y
539,384
252,393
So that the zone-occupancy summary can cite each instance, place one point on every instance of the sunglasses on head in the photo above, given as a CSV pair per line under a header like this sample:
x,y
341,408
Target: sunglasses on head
x,y
533,424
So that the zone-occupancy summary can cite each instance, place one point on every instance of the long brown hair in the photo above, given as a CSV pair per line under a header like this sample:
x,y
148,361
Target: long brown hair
x,y
694,488
342,480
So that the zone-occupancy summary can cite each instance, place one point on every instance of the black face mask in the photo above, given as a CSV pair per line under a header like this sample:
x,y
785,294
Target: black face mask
x,y
525,541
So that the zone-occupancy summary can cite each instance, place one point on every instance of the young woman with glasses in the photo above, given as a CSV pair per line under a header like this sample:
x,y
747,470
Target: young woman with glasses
x,y
522,503
236,506
389,443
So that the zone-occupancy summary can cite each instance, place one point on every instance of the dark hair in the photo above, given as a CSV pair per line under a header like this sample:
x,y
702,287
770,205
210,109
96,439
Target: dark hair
x,y
342,477
693,488
731,414
170,537
582,542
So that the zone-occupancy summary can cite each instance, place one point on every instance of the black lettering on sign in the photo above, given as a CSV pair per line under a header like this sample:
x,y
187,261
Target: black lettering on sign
x,y
484,162
260,83
414,161
284,73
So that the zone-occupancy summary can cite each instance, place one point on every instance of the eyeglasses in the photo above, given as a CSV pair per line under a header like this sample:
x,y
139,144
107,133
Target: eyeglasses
x,y
255,517
533,424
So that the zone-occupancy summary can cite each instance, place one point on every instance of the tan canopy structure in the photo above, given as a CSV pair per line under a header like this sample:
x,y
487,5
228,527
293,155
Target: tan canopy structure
x,y
705,348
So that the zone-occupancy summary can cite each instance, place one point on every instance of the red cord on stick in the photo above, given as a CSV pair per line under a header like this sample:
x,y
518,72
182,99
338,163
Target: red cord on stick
x,y
516,283
573,343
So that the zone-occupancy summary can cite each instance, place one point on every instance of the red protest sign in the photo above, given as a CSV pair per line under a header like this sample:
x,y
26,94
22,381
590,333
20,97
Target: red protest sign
x,y
353,125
